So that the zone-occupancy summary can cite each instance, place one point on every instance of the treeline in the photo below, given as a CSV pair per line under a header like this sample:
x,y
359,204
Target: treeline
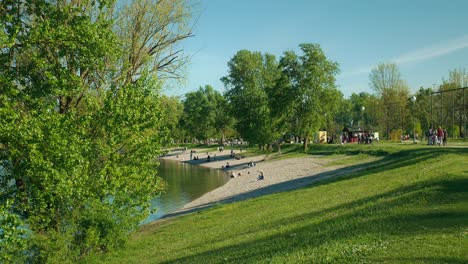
x,y
267,101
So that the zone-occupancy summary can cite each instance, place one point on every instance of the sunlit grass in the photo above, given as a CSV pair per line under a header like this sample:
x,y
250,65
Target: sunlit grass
x,y
410,205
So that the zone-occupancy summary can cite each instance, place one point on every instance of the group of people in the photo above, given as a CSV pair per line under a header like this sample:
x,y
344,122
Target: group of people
x,y
365,138
407,137
437,136
232,155
360,138
192,157
259,177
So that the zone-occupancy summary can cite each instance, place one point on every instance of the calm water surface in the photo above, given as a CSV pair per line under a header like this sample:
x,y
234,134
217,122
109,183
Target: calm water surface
x,y
185,183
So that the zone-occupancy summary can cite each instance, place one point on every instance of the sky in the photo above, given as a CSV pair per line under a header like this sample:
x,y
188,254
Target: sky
x,y
425,38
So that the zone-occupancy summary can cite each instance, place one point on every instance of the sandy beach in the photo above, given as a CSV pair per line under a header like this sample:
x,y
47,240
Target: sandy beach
x,y
279,175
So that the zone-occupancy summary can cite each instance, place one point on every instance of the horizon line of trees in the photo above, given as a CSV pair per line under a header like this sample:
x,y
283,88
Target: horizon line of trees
x,y
267,101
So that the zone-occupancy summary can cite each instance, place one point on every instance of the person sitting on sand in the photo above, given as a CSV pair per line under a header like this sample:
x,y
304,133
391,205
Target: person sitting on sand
x,y
260,177
233,175
227,165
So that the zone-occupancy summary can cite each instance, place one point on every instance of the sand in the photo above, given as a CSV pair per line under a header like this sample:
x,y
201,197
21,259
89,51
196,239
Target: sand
x,y
279,175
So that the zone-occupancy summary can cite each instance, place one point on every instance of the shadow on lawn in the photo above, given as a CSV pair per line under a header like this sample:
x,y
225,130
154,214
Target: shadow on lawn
x,y
427,260
378,218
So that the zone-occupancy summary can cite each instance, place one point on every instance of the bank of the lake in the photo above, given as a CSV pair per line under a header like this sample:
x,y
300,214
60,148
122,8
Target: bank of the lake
x,y
184,183
279,174
408,205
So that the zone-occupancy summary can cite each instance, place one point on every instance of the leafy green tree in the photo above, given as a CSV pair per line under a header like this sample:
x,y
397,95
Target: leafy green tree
x,y
422,108
250,76
451,104
364,110
172,111
13,234
344,114
200,112
386,80
223,121
79,133
309,90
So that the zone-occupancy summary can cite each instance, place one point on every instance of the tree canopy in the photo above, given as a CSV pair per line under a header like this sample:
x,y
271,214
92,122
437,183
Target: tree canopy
x,y
80,123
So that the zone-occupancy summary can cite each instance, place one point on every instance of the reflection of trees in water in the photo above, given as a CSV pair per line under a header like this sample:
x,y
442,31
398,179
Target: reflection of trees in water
x,y
185,183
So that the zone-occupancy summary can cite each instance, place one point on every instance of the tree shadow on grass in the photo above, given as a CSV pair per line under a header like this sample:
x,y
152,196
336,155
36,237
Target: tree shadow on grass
x,y
404,195
427,260
377,217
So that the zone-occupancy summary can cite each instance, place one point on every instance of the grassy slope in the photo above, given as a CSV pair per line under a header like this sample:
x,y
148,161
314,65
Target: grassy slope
x,y
411,207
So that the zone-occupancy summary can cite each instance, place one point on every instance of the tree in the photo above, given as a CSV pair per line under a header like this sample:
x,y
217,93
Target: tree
x,y
452,105
172,111
386,80
365,109
223,120
250,74
78,141
200,112
309,89
150,32
422,108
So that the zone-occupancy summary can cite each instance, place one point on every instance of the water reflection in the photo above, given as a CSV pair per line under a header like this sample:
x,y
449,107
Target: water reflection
x,y
185,183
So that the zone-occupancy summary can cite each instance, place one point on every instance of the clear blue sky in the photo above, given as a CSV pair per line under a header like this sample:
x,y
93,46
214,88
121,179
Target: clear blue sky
x,y
425,38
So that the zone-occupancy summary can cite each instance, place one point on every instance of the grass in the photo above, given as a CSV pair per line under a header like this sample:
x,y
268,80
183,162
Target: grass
x,y
409,206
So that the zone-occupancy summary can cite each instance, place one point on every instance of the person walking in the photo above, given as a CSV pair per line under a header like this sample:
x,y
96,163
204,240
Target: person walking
x,y
440,135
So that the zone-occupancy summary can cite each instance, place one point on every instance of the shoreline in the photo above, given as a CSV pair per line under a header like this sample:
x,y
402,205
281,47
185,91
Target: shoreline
x,y
280,175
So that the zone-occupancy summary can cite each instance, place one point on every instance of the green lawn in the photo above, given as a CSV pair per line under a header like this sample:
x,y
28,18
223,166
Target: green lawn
x,y
410,206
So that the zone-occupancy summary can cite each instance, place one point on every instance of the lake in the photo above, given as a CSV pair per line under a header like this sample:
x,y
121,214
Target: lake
x,y
185,183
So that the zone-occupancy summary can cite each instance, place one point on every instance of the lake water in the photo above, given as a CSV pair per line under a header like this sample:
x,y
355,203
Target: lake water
x,y
185,183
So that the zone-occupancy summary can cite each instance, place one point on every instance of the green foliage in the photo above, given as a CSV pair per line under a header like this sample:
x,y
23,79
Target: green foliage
x,y
386,80
395,134
173,109
205,113
250,76
422,107
308,84
78,145
13,235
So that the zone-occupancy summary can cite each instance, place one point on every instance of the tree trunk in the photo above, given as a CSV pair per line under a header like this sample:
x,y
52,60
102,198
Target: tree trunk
x,y
222,139
306,141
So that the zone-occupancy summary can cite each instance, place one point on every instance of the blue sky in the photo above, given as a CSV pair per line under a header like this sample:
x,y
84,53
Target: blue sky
x,y
425,38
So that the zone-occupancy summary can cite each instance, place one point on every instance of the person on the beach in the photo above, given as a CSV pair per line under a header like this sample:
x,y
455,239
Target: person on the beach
x,y
260,177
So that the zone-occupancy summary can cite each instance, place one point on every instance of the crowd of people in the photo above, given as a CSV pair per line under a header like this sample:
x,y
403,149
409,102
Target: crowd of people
x,y
437,136
360,138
